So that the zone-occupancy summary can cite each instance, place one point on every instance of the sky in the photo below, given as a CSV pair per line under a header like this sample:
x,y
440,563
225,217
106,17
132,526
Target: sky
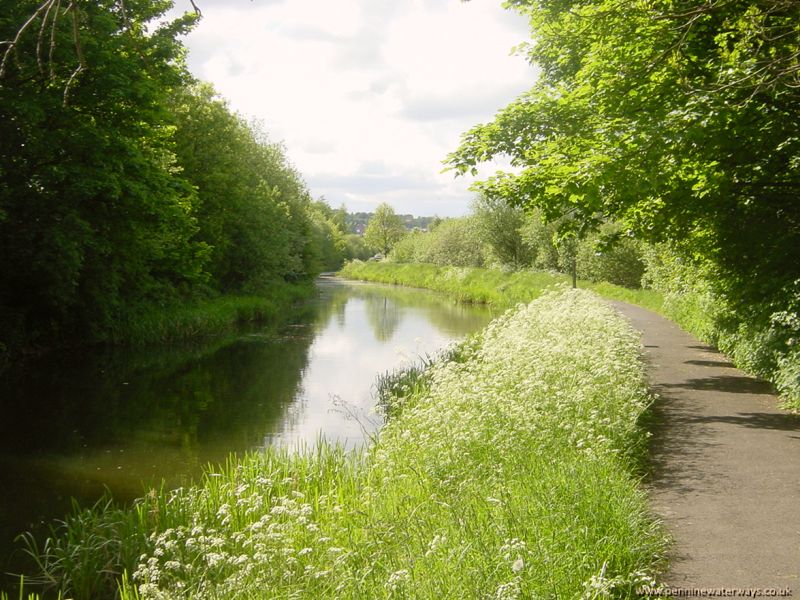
x,y
368,96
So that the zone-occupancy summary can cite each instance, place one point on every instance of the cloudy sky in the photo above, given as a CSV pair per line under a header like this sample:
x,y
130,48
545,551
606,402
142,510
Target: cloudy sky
x,y
368,96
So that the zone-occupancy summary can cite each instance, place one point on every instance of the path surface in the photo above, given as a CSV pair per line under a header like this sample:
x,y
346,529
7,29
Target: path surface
x,y
726,465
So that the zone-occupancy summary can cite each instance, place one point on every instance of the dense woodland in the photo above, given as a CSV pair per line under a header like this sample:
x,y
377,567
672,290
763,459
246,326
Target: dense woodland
x,y
126,186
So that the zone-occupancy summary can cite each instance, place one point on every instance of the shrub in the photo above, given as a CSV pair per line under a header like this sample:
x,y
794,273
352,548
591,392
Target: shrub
x,y
620,263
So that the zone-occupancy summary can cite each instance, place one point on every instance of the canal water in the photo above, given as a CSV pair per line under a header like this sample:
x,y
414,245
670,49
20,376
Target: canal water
x,y
74,425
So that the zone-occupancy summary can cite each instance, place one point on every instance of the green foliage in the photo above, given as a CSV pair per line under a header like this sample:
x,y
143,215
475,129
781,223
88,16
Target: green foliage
x,y
763,340
540,237
506,236
412,248
355,247
479,483
328,237
384,229
651,117
126,188
86,555
394,388
211,317
500,289
251,204
498,224
451,242
455,242
676,120
688,297
608,256
90,204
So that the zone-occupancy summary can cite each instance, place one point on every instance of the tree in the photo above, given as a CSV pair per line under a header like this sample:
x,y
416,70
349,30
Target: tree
x,y
384,229
499,225
329,241
90,203
125,186
253,208
451,242
675,119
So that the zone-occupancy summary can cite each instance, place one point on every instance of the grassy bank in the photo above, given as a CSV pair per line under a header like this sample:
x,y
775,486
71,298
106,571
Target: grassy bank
x,y
501,289
152,324
510,473
755,348
206,317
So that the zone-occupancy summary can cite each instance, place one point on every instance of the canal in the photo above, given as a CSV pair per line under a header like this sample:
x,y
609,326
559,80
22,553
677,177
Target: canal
x,y
76,424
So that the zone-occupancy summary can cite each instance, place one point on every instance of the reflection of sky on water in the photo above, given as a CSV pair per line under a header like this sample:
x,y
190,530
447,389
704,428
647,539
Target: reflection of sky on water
x,y
76,423
374,334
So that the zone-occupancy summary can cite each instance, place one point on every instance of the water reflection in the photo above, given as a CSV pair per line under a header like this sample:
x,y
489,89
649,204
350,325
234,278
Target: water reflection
x,y
74,424
383,315
377,328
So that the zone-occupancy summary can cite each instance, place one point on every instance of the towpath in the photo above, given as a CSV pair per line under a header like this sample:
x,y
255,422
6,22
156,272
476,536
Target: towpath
x,y
726,466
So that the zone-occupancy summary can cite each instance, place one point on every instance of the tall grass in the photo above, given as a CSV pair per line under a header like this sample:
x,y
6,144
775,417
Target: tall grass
x,y
464,284
172,323
491,286
510,472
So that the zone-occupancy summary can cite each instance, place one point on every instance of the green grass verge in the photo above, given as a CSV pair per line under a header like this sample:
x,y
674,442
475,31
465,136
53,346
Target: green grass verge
x,y
510,472
501,289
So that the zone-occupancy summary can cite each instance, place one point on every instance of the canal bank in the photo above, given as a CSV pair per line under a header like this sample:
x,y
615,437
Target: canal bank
x,y
124,420
513,473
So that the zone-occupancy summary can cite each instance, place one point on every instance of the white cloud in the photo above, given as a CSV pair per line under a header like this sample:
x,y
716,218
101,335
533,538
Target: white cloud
x,y
354,83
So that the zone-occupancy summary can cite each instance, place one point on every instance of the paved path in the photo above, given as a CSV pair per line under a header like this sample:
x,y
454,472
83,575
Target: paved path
x,y
726,465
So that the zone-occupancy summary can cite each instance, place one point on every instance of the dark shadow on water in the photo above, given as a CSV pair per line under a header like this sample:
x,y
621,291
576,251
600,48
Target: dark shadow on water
x,y
733,384
711,363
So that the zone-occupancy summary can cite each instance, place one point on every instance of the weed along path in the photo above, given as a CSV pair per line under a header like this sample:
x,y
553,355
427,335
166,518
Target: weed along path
x,y
726,466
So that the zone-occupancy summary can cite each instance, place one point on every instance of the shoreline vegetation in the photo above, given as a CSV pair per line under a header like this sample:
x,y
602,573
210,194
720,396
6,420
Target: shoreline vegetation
x,y
496,287
193,320
693,307
510,469
209,317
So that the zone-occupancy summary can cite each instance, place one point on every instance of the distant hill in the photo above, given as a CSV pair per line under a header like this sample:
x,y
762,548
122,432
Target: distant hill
x,y
357,222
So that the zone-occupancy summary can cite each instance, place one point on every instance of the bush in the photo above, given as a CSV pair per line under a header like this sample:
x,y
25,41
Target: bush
x,y
355,247
454,243
620,263
411,249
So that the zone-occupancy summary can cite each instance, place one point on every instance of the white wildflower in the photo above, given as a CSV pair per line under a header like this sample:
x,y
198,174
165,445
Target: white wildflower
x,y
398,579
518,565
